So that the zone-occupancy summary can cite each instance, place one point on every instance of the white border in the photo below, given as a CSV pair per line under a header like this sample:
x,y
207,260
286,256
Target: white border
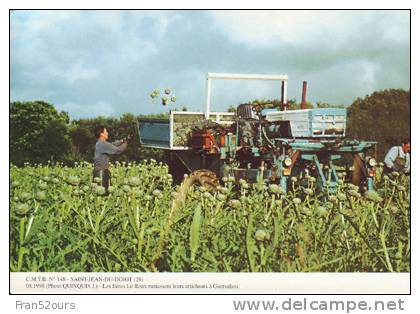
x,y
212,283
202,304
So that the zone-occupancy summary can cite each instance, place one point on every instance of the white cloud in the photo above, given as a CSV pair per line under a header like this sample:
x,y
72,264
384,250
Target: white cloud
x,y
78,58
75,72
135,48
263,27
112,20
368,74
42,20
302,28
162,24
87,110
78,72
164,20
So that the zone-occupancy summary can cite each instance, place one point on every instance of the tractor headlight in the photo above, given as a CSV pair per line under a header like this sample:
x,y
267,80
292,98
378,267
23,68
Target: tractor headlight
x,y
372,162
288,162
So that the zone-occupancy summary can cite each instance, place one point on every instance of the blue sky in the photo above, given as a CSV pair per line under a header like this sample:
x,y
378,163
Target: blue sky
x,y
92,63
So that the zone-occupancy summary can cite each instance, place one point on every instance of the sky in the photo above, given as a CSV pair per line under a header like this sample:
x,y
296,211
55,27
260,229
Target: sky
x,y
92,63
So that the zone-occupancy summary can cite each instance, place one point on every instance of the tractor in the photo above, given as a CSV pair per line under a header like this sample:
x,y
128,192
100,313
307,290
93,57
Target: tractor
x,y
273,145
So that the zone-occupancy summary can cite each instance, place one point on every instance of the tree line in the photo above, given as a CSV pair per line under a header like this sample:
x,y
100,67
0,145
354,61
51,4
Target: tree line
x,y
40,133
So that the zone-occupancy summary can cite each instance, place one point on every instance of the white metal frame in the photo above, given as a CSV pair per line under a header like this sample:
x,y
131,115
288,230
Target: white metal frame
x,y
219,113
231,76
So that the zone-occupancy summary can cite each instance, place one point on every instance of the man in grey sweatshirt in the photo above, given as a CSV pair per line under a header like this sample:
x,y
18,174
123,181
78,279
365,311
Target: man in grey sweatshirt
x,y
103,150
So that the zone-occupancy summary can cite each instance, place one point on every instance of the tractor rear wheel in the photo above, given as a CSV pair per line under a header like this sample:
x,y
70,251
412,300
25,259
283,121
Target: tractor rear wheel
x,y
202,177
205,178
359,171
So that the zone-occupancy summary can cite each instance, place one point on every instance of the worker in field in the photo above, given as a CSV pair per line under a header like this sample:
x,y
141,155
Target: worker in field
x,y
103,150
398,158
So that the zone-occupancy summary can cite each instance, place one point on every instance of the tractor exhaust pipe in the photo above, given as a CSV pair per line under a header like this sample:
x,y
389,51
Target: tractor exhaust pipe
x,y
303,103
283,102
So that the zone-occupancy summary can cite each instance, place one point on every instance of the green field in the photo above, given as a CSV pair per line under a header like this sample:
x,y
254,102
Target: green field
x,y
61,222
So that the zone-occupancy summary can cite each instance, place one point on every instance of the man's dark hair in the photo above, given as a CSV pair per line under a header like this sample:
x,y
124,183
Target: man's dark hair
x,y
406,141
98,130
